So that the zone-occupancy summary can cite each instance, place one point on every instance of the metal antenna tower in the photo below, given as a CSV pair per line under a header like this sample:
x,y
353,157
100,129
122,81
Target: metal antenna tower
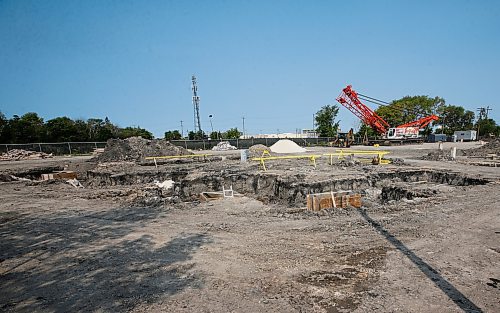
x,y
196,105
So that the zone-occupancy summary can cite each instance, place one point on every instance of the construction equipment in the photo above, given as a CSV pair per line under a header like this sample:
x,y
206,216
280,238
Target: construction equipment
x,y
343,140
349,99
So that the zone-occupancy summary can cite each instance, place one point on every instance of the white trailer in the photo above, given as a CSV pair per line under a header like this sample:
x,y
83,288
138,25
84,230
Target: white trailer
x,y
466,135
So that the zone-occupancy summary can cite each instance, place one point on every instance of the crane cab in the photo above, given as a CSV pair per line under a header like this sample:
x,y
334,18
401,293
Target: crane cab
x,y
402,132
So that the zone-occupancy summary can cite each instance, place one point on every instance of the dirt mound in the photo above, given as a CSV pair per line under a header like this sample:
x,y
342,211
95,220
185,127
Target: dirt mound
x,y
492,147
286,146
438,155
20,154
137,148
257,150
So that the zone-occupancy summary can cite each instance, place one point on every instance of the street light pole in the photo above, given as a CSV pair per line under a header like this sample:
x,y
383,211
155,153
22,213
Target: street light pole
x,y
211,125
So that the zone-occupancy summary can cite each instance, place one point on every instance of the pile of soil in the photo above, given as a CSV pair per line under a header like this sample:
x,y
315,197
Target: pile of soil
x,y
135,149
438,155
256,151
492,147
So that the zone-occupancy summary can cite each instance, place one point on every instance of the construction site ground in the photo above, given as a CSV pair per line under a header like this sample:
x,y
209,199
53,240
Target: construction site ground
x,y
427,238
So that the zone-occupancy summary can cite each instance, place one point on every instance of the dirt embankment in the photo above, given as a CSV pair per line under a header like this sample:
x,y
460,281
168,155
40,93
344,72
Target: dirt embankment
x,y
492,147
135,149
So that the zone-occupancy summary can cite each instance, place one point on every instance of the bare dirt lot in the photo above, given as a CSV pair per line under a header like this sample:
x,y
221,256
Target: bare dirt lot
x,y
427,238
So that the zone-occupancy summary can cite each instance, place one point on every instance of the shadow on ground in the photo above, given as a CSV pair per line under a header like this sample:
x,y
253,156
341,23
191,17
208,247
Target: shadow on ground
x,y
446,287
91,262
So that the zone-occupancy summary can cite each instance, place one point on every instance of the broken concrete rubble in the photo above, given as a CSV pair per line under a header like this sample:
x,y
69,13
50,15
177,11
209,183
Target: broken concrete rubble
x,y
223,146
75,183
19,154
60,175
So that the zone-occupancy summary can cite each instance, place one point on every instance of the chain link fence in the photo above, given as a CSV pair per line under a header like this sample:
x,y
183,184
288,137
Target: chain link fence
x,y
75,148
56,148
246,143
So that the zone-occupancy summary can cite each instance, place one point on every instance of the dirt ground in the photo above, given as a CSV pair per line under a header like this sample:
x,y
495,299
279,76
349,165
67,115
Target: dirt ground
x,y
427,238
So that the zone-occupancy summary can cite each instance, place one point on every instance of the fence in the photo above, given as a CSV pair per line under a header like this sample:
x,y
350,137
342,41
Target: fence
x,y
246,143
57,148
69,148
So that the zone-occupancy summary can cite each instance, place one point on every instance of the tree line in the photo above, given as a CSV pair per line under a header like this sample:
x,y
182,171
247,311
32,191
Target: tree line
x,y
31,128
232,133
410,108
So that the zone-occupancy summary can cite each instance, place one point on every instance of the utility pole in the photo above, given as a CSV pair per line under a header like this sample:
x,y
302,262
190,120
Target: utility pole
x,y
483,114
487,110
196,106
243,127
182,130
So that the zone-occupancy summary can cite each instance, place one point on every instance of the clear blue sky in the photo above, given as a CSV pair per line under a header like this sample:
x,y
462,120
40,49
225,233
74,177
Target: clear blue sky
x,y
274,62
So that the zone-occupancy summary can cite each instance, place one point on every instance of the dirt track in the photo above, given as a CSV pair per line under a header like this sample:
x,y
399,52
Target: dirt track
x,y
108,249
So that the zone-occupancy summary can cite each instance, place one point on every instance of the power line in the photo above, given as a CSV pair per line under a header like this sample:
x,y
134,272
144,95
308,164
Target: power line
x,y
483,113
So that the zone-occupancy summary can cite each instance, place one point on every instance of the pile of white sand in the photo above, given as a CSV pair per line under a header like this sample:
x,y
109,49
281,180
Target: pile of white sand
x,y
286,146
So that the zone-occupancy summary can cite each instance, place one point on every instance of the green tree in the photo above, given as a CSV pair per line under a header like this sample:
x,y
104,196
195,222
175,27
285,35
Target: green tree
x,y
28,128
173,135
365,129
232,133
101,130
196,135
94,126
110,129
325,121
454,118
128,132
61,129
81,130
487,127
215,135
409,108
4,124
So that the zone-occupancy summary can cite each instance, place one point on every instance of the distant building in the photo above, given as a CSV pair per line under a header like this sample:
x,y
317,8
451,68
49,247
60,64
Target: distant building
x,y
309,133
304,133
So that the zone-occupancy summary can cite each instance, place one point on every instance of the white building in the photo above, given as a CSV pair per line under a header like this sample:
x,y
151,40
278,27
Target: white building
x,y
304,133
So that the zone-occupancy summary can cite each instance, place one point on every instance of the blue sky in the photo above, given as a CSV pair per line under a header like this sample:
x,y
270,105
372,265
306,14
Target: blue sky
x,y
274,62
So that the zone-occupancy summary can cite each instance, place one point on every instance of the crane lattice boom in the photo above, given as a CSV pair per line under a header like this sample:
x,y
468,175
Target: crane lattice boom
x,y
349,99
420,123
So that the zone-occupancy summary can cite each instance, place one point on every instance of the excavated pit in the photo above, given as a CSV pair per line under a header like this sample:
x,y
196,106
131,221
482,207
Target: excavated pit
x,y
291,190
34,173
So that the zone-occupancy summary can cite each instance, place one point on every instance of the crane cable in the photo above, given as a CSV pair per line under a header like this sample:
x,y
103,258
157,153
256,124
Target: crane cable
x,y
378,102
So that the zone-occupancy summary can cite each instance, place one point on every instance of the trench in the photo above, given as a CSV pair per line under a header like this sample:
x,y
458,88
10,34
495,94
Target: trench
x,y
291,190
34,173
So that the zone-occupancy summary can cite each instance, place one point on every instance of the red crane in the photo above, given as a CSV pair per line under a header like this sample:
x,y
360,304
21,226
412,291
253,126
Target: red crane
x,y
420,123
349,98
